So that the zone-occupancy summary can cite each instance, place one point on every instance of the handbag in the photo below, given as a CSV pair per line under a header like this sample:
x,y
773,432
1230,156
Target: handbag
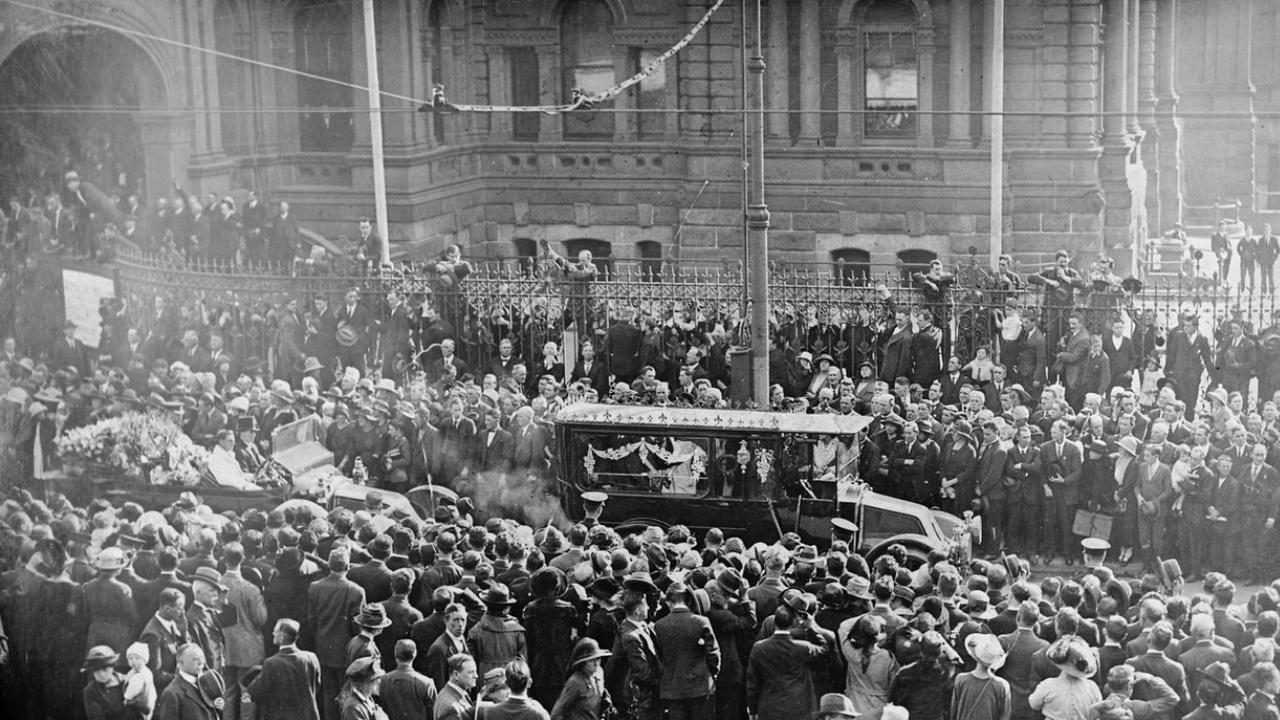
x,y
1092,524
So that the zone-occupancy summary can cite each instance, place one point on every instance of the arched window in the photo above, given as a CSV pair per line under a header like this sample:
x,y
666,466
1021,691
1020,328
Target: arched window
x,y
650,252
437,55
601,253
852,266
526,254
322,33
914,261
891,70
232,35
586,61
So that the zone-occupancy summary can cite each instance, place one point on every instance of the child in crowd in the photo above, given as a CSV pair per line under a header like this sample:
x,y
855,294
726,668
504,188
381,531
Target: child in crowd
x,y
139,685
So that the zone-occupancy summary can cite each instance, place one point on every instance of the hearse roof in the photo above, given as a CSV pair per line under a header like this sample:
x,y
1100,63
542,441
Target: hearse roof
x,y
701,418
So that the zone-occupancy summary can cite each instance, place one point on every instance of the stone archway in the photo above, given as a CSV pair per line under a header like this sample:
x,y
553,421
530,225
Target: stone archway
x,y
92,99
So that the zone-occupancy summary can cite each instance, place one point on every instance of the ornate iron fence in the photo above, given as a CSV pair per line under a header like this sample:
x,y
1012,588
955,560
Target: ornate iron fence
x,y
531,301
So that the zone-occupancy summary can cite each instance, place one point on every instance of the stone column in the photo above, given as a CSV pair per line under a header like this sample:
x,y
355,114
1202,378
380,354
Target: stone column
x,y
550,127
500,128
958,134
778,67
846,66
810,72
1115,87
1146,78
1082,73
1134,47
166,148
1168,150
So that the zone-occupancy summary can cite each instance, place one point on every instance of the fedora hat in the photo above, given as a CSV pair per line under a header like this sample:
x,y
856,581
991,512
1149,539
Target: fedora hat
x,y
100,656
1073,657
858,587
553,542
211,685
311,364
586,650
112,558
1129,444
364,669
837,704
603,588
346,336
373,616
986,649
639,581
210,576
498,596
1219,674
731,582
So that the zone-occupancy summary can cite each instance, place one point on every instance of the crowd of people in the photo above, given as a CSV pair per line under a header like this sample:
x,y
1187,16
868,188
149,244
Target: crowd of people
x,y
111,611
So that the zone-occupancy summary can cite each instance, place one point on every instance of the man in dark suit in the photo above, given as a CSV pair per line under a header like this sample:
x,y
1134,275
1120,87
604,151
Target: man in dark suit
x,y
622,347
780,670
989,479
1029,364
895,361
286,238
164,633
451,642
355,315
952,379
369,244
332,604
689,657
70,352
374,577
1203,653
1122,354
914,466
1020,646
529,452
193,356
453,701
926,350
203,616
591,370
1155,660
1247,249
181,699
289,682
1224,508
993,389
1236,357
457,443
1060,461
1220,246
494,446
1268,251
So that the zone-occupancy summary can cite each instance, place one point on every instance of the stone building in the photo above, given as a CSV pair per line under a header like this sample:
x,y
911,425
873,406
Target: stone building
x,y
877,149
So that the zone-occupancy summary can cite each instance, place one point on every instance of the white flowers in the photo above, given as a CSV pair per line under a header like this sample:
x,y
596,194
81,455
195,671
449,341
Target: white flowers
x,y
136,443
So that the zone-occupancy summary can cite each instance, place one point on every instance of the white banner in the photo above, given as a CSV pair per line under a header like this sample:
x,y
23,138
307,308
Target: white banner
x,y
82,294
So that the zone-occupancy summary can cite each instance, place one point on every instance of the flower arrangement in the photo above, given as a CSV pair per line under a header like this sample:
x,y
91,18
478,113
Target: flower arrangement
x,y
137,447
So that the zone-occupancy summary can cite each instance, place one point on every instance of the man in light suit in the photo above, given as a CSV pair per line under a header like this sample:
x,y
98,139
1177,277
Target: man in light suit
x,y
1153,493
287,687
453,702
1071,360
1060,459
243,639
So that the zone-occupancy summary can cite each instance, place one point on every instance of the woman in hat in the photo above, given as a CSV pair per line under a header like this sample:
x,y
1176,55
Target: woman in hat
x,y
871,667
584,696
924,686
958,460
364,675
104,693
109,602
1069,695
980,695
551,625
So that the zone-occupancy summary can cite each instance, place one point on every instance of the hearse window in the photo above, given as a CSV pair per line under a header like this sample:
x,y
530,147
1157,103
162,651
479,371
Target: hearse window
x,y
635,464
744,469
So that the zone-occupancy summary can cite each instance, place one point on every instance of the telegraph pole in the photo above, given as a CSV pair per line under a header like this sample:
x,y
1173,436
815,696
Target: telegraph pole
x,y
375,133
757,217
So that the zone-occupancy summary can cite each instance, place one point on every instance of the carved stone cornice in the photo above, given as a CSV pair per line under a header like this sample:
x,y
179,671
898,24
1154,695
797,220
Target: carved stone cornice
x,y
645,37
523,37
